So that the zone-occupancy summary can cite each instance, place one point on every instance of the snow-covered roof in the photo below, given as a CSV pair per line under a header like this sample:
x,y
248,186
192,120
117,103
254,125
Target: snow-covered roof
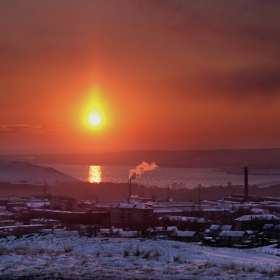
x,y
168,211
251,232
111,230
37,204
257,217
207,238
214,227
226,227
231,233
186,219
124,205
267,226
115,230
213,210
60,211
134,206
5,214
176,204
259,211
142,206
170,228
184,233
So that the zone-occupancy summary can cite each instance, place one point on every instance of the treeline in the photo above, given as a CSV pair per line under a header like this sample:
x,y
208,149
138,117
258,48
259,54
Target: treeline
x,y
93,191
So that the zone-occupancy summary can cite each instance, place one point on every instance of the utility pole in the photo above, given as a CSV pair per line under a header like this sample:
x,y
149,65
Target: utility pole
x,y
199,187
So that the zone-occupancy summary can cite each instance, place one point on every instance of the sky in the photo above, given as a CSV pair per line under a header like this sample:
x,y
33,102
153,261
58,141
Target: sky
x,y
161,74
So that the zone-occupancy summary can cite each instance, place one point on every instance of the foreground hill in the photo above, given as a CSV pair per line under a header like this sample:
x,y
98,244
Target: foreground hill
x,y
65,255
15,172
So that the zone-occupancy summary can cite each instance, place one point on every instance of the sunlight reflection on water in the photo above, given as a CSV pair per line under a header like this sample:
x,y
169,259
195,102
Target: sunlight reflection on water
x,y
94,174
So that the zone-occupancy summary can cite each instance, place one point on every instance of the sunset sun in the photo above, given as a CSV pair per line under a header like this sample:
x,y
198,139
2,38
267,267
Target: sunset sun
x,y
94,119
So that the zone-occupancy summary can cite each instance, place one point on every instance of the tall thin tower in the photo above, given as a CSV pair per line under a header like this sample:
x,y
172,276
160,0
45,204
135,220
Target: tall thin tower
x,y
246,186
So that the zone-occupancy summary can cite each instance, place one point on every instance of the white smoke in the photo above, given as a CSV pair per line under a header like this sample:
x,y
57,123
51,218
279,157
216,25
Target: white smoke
x,y
140,169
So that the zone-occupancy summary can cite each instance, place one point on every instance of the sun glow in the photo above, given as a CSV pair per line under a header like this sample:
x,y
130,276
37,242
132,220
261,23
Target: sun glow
x,y
94,119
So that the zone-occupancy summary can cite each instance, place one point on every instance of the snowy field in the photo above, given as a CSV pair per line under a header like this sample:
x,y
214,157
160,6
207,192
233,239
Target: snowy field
x,y
65,255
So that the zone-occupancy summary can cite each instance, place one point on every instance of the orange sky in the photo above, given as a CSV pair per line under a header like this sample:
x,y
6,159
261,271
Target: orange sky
x,y
163,74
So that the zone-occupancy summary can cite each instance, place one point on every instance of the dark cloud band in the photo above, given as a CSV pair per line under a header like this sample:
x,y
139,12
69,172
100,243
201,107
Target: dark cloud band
x,y
26,129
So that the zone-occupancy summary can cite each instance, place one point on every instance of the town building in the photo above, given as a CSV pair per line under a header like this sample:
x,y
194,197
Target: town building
x,y
128,214
63,203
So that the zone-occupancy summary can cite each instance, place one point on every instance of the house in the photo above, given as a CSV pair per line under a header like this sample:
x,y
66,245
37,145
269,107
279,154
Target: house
x,y
211,236
63,203
110,232
19,230
189,223
129,214
271,231
268,230
105,232
187,236
50,223
161,232
214,230
86,230
276,231
255,222
130,234
110,202
232,238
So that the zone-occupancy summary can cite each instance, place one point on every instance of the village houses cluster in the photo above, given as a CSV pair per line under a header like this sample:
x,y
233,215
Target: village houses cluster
x,y
231,221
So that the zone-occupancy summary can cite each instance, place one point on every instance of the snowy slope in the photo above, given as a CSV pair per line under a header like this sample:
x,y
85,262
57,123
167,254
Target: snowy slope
x,y
22,172
65,255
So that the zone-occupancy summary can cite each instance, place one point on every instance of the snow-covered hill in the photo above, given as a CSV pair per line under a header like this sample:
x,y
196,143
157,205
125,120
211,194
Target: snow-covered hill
x,y
65,255
16,172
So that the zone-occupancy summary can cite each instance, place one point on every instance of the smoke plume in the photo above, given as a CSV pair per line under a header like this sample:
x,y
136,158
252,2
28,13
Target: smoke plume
x,y
140,169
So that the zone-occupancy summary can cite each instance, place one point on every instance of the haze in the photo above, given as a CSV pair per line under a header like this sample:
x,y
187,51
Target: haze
x,y
162,74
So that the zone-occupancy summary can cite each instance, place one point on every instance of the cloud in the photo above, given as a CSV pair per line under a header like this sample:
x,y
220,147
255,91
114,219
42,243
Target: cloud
x,y
231,26
27,129
251,82
173,6
245,82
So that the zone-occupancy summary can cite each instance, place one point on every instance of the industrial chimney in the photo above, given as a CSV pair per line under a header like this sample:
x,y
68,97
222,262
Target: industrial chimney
x,y
245,184
168,194
129,190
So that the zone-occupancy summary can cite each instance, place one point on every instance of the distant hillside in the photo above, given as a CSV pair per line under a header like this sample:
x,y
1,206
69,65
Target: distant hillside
x,y
226,159
15,172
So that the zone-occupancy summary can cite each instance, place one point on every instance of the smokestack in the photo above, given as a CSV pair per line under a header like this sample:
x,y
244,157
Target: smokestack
x,y
129,190
245,184
136,173
168,194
